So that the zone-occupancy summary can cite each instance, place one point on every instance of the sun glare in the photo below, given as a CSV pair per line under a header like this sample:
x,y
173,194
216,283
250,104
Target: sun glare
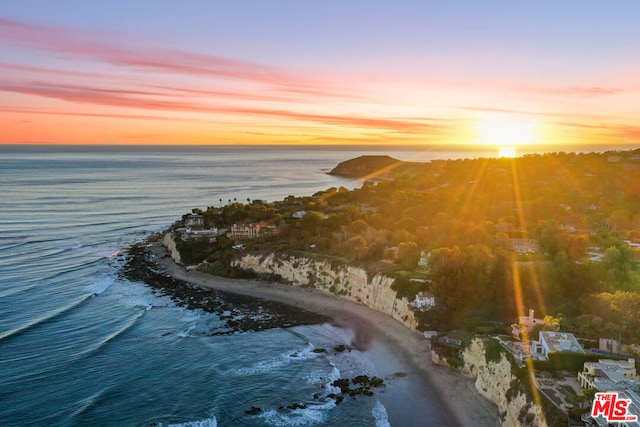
x,y
507,132
507,152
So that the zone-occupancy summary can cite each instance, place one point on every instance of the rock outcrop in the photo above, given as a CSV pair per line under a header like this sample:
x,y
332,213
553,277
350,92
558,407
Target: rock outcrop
x,y
495,381
170,244
349,282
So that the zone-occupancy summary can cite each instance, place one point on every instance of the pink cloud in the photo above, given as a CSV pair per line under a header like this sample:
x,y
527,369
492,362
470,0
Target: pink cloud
x,y
93,46
157,101
590,91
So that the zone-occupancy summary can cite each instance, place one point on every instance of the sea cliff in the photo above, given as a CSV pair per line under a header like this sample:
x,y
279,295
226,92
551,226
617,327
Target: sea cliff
x,y
352,283
494,380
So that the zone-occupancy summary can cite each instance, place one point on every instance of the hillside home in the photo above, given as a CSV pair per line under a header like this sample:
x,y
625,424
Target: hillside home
x,y
608,374
195,221
527,323
524,246
424,301
251,231
551,341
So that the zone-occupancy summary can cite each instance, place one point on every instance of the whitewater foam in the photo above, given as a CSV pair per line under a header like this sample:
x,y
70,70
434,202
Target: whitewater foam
x,y
100,285
208,422
273,363
379,413
311,415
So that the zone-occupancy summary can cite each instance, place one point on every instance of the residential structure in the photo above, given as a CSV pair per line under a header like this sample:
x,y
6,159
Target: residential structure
x,y
251,231
616,376
195,221
527,323
609,374
524,246
424,301
550,341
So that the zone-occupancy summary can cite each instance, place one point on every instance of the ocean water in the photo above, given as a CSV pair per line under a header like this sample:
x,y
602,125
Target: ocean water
x,y
82,346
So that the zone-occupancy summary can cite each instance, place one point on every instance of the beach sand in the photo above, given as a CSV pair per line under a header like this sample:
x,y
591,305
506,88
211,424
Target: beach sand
x,y
391,346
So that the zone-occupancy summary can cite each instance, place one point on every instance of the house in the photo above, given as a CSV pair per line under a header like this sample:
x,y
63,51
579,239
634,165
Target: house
x,y
251,231
552,341
424,301
527,323
195,221
524,246
617,376
424,260
608,374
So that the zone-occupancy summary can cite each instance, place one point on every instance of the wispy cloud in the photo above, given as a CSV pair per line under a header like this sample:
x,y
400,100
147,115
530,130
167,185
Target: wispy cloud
x,y
134,57
158,101
592,91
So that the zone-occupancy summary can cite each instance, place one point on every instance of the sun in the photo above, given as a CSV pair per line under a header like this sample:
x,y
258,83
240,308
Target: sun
x,y
506,131
507,152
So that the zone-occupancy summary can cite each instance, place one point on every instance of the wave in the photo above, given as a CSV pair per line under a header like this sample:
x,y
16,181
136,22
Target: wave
x,y
86,403
100,285
276,362
208,422
95,347
44,319
379,413
313,414
16,291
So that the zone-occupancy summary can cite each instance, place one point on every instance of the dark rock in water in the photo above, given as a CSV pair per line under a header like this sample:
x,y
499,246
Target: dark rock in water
x,y
239,312
339,399
341,348
342,383
360,379
363,382
253,411
297,406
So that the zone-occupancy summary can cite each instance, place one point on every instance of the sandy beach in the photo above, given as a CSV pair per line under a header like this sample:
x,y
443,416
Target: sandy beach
x,y
391,346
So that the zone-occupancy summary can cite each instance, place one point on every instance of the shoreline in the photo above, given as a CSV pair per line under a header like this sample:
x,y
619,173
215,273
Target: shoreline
x,y
386,341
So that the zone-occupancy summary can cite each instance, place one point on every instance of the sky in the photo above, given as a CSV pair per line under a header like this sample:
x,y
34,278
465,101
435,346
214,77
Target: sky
x,y
434,73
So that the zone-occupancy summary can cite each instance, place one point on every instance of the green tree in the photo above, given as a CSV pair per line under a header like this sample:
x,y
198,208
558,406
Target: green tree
x,y
408,255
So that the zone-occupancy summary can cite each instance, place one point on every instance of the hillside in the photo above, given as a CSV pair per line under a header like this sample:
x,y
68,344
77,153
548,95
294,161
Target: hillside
x,y
376,168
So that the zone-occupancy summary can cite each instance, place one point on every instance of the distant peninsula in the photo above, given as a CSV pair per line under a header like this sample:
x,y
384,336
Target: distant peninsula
x,y
376,168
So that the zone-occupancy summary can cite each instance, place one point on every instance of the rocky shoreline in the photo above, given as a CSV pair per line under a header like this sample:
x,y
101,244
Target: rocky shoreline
x,y
239,312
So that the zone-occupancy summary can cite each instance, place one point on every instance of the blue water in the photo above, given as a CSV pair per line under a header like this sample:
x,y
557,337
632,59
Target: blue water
x,y
82,346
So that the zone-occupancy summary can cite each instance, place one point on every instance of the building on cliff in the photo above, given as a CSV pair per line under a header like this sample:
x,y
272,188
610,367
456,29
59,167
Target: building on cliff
x,y
609,375
527,323
615,376
424,301
251,231
550,341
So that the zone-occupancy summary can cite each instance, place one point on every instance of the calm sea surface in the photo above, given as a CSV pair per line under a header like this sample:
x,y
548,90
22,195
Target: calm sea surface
x,y
81,346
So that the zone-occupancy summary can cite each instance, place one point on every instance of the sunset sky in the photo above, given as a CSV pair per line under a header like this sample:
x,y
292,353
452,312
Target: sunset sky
x,y
504,73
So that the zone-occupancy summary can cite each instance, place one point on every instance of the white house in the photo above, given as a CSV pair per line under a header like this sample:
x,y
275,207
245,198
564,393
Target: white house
x,y
424,301
550,341
609,374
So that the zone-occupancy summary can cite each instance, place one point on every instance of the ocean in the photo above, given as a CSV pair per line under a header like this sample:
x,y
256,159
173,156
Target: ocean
x,y
81,345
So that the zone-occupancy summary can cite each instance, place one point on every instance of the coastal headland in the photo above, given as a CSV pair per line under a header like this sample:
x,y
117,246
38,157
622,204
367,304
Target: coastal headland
x,y
392,347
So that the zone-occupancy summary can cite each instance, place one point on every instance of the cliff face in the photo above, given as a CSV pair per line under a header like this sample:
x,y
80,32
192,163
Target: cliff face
x,y
494,381
170,244
350,282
